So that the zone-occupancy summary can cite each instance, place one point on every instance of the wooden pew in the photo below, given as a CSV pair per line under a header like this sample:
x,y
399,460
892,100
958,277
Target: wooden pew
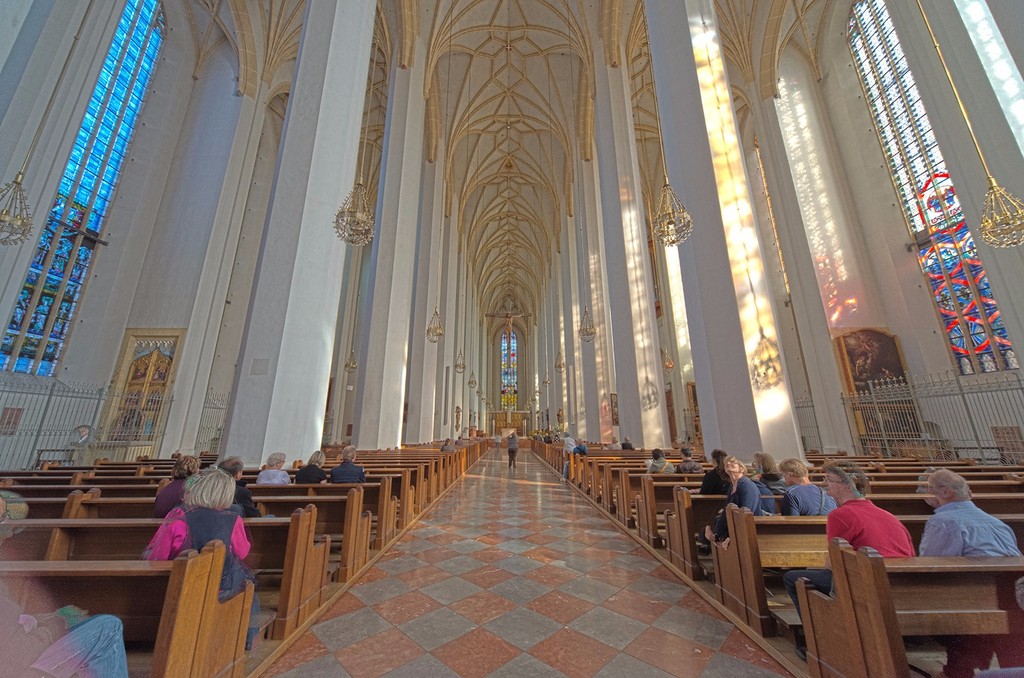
x,y
172,606
287,548
858,632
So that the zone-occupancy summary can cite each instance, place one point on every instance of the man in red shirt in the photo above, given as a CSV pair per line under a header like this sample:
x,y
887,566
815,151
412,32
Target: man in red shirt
x,y
856,520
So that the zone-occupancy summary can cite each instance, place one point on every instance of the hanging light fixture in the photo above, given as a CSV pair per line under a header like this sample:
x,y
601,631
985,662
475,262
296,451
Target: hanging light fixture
x,y
765,367
460,362
472,380
351,364
435,330
1002,216
560,361
547,379
587,329
667,363
649,398
354,222
15,212
671,224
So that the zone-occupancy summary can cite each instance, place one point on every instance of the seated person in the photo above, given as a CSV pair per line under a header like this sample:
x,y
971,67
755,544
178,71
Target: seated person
x,y
959,528
716,481
243,505
67,642
856,520
615,444
626,444
313,472
657,463
742,493
447,446
569,448
688,464
185,467
766,472
803,498
274,473
204,517
347,471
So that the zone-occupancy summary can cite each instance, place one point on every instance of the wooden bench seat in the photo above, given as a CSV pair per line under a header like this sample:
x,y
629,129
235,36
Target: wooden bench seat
x,y
858,632
171,606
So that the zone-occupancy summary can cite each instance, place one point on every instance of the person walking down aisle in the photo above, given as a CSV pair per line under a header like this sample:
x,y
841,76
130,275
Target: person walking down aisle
x,y
513,449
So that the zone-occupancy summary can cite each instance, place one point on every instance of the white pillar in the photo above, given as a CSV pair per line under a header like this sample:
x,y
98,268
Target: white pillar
x,y
284,366
728,417
382,397
638,375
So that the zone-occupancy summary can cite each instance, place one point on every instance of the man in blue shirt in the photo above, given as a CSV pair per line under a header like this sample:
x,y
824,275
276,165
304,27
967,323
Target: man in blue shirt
x,y
802,498
959,528
347,471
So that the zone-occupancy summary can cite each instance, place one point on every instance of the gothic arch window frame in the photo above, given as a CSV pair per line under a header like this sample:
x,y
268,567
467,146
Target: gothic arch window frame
x,y
945,249
40,325
509,370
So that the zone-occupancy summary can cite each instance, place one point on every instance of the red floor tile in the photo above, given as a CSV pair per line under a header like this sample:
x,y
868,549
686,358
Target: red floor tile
x,y
378,654
560,606
406,607
482,607
574,654
476,654
670,653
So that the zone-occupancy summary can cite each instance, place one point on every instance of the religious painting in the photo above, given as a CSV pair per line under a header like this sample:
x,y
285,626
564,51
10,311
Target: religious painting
x,y
613,399
869,355
141,386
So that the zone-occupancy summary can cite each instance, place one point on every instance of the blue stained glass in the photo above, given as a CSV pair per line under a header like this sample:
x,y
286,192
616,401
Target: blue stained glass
x,y
509,371
91,176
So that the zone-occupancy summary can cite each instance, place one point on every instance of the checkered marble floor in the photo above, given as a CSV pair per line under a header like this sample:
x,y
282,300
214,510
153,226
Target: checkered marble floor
x,y
512,574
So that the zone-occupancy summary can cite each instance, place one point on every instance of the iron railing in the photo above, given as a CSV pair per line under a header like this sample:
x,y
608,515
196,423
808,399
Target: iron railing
x,y
211,422
44,419
810,435
945,416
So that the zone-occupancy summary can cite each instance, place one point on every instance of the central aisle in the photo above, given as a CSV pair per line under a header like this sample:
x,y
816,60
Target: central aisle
x,y
513,574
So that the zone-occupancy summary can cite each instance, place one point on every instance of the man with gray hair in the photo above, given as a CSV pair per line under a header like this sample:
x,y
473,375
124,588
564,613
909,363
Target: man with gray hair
x,y
274,474
347,471
959,528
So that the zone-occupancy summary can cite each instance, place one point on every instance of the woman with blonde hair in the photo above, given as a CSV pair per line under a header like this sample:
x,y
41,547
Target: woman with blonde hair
x,y
313,472
173,492
204,516
743,493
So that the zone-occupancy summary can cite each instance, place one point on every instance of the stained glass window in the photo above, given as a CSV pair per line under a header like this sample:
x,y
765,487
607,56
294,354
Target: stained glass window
x,y
58,272
509,371
945,246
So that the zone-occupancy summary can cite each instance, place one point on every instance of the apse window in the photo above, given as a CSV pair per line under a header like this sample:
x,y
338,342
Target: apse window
x,y
946,252
40,325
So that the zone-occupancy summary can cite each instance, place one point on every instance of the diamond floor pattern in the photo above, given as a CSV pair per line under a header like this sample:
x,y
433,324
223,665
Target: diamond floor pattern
x,y
514,574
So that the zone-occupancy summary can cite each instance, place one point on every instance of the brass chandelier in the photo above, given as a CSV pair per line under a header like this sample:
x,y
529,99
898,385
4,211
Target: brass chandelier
x,y
1002,216
667,363
587,330
472,380
351,364
672,224
354,222
15,212
460,362
560,361
435,330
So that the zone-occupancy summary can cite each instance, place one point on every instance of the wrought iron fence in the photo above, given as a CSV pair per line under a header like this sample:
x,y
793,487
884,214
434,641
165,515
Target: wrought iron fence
x,y
211,422
941,417
44,419
810,436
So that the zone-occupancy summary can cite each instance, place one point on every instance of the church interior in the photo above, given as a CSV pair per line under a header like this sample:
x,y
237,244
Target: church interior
x,y
431,230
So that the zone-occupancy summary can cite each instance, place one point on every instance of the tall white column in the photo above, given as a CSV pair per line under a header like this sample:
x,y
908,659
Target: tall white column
x,y
284,365
382,397
638,375
725,401
423,355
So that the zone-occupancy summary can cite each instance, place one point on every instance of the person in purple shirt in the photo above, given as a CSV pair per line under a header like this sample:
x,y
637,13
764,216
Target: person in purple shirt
x,y
173,492
959,528
347,471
